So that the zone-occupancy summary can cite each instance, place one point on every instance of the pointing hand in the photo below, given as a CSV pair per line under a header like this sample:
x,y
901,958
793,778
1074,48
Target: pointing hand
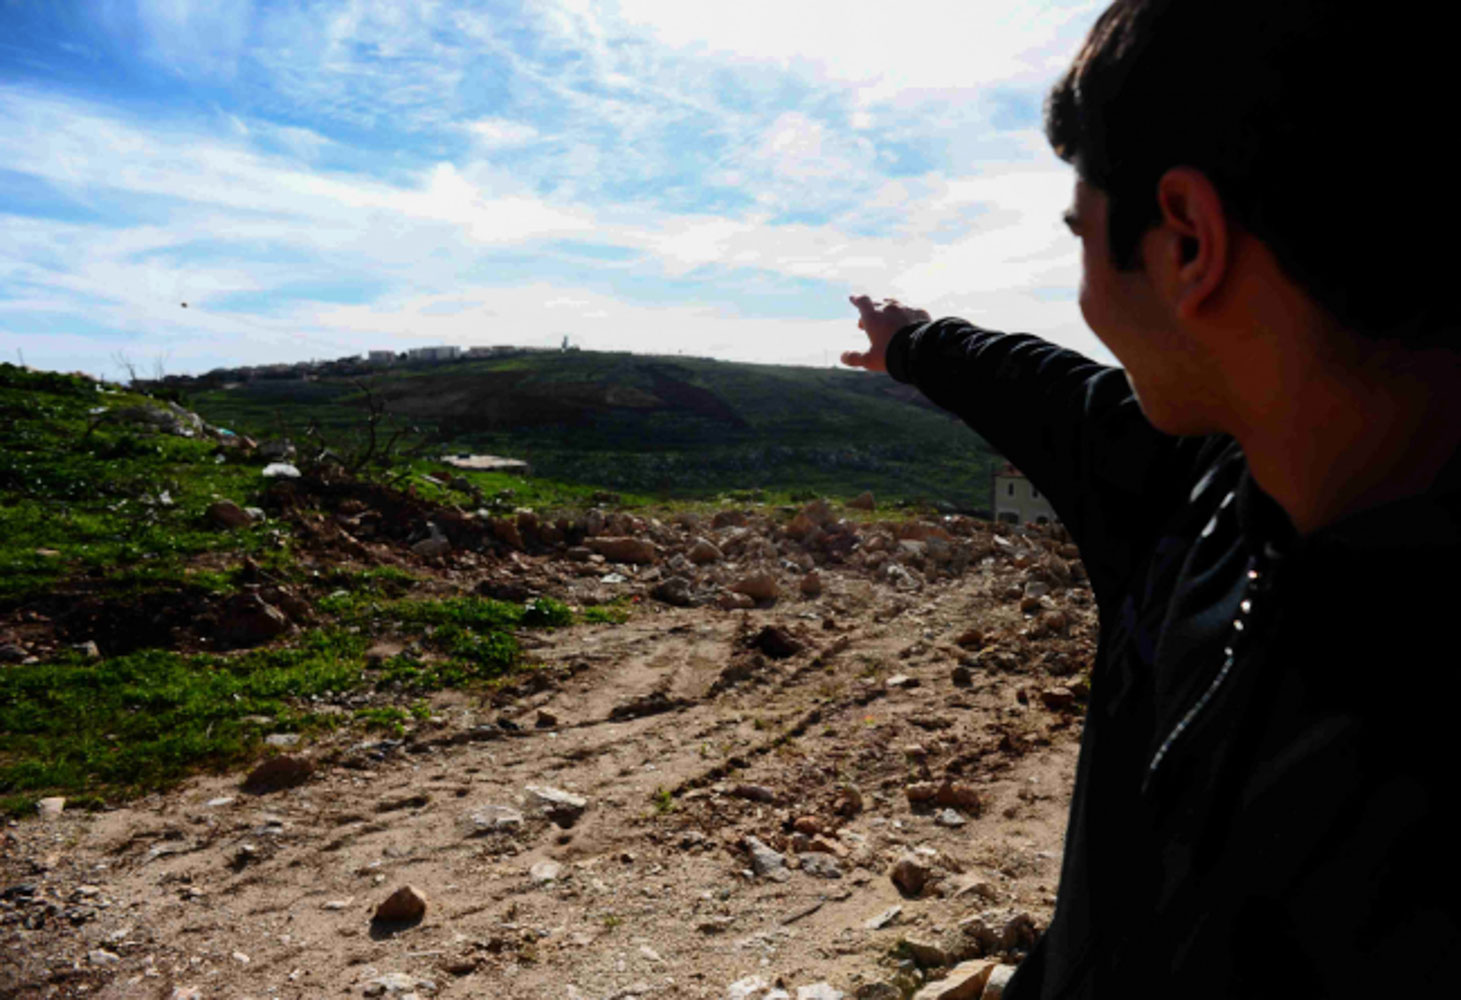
x,y
879,321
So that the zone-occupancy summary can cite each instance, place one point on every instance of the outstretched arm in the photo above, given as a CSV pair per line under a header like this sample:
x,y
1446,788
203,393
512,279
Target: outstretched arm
x,y
1071,425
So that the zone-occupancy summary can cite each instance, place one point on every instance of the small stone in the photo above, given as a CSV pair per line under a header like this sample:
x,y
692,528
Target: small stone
x,y
1058,699
818,991
998,980
222,800
848,802
405,904
863,501
755,793
545,719
248,620
227,514
650,954
757,586
748,988
50,808
335,905
776,643
240,958
902,681
731,601
965,981
975,885
563,808
545,871
281,739
495,819
921,791
811,585
878,991
704,551
928,954
957,795
821,865
436,544
278,773
766,862
883,919
810,825
962,676
623,549
280,470
185,993
393,984
950,817
103,957
675,591
910,875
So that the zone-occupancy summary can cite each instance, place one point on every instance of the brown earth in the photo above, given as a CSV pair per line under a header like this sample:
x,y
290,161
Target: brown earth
x,y
840,739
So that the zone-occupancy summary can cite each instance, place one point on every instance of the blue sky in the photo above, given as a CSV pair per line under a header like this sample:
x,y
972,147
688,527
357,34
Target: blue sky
x,y
322,179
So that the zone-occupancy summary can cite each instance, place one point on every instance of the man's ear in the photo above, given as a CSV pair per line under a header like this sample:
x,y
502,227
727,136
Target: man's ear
x,y
1193,239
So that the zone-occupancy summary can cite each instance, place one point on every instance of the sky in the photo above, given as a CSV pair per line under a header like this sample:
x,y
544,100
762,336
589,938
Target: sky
x,y
321,179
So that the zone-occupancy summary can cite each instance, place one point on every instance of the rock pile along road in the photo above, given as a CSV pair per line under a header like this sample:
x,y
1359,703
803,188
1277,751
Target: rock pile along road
x,y
821,758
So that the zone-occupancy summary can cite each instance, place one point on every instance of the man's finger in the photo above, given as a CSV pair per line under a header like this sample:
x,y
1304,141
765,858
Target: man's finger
x,y
864,305
852,358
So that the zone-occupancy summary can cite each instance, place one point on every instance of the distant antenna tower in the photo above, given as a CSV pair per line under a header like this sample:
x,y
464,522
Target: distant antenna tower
x,y
565,343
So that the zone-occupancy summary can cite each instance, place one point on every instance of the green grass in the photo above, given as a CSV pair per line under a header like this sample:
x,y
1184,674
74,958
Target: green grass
x,y
93,508
105,499
128,724
133,723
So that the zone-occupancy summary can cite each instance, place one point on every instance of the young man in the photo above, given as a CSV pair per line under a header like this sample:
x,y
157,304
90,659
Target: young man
x,y
1267,499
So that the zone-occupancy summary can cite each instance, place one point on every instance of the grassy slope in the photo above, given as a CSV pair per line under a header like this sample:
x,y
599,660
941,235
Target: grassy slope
x,y
101,511
669,425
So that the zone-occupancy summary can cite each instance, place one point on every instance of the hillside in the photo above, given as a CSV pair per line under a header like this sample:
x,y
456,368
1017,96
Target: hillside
x,y
672,426
608,747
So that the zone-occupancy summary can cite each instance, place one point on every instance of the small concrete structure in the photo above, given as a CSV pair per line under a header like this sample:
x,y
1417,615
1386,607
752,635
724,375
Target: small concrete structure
x,y
488,463
1017,501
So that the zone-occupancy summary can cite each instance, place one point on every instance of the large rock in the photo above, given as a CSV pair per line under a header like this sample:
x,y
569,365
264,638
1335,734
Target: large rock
x,y
964,982
623,549
405,905
863,501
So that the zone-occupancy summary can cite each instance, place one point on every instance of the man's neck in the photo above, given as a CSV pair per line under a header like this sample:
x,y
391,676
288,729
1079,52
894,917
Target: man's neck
x,y
1332,439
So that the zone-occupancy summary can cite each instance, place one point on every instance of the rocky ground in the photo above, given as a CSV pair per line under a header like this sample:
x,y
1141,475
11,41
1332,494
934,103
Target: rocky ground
x,y
821,758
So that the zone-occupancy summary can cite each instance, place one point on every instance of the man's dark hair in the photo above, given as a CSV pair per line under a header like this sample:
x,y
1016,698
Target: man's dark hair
x,y
1320,124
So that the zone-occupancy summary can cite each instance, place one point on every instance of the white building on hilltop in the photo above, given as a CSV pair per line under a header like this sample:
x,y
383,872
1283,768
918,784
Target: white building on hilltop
x,y
1016,500
434,353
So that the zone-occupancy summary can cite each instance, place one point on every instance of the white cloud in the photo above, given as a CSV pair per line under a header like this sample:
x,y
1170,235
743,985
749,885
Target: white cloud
x,y
495,133
617,96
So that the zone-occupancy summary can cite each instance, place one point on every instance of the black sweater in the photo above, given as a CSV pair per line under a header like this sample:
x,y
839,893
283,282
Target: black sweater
x,y
1258,807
